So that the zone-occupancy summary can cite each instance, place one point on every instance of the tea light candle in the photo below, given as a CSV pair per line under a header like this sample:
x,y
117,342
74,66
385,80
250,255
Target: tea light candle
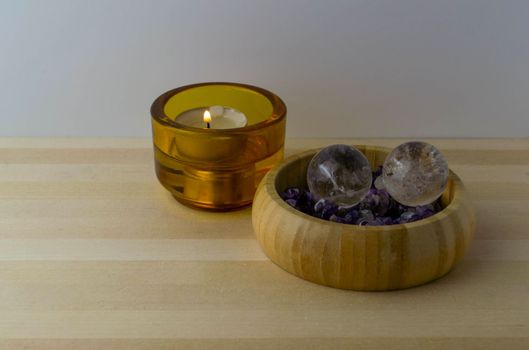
x,y
214,117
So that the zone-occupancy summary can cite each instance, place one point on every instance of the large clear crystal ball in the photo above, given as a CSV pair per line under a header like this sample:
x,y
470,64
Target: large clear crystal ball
x,y
415,173
339,173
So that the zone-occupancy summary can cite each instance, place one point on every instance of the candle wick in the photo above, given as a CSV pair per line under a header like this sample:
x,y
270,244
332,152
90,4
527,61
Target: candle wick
x,y
208,125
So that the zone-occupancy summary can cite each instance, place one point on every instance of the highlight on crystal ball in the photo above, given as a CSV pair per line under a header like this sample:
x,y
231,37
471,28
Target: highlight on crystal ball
x,y
415,173
339,173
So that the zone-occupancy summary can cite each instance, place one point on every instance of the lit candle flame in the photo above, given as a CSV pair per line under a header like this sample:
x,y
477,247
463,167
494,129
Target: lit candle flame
x,y
207,117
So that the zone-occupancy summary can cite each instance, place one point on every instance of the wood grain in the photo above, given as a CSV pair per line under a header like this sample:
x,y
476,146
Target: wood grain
x,y
95,254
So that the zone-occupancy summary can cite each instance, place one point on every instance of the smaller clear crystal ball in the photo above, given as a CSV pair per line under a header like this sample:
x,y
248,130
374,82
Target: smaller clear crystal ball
x,y
339,173
415,173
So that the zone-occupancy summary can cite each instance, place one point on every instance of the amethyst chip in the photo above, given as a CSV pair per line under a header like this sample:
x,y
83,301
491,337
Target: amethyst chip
x,y
376,209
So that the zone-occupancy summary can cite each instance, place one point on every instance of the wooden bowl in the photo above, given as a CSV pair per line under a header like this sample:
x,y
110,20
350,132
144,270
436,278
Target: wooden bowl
x,y
359,257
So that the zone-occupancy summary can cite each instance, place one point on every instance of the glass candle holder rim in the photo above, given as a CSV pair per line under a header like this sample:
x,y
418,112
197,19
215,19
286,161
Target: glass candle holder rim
x,y
279,109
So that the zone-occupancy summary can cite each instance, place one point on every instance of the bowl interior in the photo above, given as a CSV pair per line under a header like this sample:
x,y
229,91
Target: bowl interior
x,y
293,171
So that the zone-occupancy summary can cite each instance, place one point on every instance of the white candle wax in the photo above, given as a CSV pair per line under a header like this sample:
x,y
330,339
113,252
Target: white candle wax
x,y
221,118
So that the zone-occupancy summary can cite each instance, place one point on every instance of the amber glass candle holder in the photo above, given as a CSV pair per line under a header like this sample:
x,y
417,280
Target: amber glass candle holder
x,y
217,169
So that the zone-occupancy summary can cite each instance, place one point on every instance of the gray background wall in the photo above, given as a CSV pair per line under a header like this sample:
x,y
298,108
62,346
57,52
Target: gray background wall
x,y
411,68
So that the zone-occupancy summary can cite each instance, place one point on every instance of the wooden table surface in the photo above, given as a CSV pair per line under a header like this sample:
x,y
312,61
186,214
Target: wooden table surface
x,y
95,254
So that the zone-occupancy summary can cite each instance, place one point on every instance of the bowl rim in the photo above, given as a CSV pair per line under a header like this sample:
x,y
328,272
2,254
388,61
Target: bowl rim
x,y
452,206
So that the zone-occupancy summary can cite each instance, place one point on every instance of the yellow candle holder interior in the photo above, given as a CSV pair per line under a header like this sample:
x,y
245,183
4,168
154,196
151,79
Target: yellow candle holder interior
x,y
217,169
